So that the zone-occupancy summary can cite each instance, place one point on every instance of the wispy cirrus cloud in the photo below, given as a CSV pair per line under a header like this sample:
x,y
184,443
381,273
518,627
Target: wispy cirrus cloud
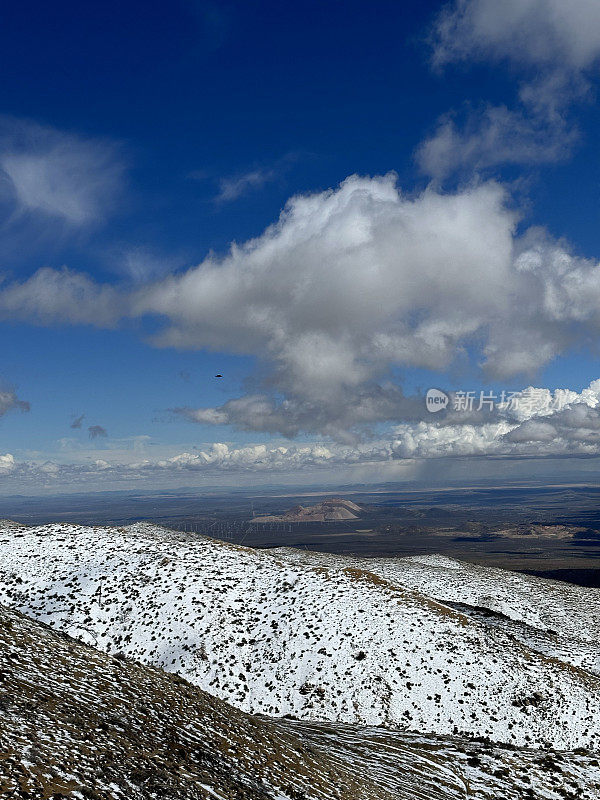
x,y
553,46
492,135
531,32
58,175
61,296
232,188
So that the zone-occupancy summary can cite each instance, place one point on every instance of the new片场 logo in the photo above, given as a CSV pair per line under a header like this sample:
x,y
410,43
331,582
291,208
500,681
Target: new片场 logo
x,y
436,400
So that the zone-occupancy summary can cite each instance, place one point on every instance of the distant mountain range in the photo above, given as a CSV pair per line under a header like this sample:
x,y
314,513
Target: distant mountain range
x,y
326,511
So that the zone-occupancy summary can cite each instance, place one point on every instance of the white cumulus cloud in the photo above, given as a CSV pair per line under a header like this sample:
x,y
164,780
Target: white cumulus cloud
x,y
348,285
7,464
534,423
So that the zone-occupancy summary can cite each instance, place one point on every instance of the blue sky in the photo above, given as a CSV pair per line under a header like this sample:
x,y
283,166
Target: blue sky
x,y
437,168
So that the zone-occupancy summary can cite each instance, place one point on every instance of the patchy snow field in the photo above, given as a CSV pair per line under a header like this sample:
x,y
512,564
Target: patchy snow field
x,y
77,723
558,619
325,638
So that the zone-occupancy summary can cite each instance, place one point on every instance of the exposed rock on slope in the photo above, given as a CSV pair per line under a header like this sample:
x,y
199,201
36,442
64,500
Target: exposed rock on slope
x,y
273,634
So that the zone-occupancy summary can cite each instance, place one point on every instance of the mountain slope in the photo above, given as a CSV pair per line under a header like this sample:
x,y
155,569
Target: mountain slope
x,y
77,723
448,768
553,618
273,634
541,603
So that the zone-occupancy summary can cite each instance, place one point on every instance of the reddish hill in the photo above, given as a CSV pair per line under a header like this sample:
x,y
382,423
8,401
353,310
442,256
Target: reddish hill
x,y
333,508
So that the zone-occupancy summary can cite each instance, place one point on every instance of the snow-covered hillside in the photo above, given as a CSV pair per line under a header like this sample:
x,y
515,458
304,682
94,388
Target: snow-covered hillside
x,y
557,619
541,603
77,723
274,633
